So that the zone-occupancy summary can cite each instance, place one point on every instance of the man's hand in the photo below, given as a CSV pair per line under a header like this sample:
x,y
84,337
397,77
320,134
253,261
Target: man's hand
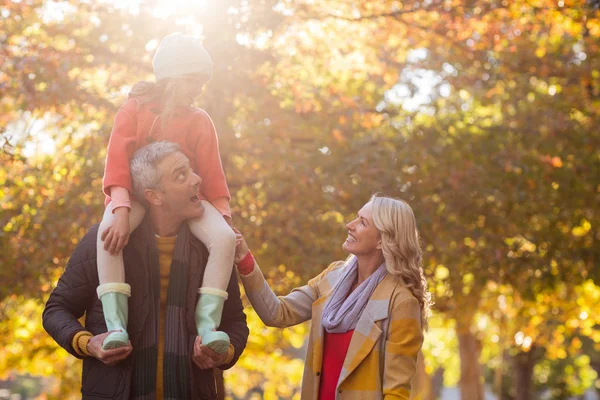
x,y
116,236
206,358
241,247
108,357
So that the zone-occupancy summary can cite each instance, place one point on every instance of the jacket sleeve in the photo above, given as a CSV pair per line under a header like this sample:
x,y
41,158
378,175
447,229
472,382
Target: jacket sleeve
x,y
73,295
404,340
282,311
208,162
121,146
234,321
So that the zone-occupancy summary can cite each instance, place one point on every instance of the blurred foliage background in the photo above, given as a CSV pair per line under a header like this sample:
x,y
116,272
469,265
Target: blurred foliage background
x,y
483,114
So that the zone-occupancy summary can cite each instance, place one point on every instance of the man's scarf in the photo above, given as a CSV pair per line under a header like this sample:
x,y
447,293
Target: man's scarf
x,y
176,364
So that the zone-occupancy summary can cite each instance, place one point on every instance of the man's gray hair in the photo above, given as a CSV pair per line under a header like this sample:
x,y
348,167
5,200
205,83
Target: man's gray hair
x,y
143,166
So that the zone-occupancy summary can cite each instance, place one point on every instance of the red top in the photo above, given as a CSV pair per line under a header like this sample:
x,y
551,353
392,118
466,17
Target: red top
x,y
335,347
190,127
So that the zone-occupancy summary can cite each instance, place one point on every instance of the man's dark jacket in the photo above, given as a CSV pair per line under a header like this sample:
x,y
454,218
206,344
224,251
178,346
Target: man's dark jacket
x,y
75,295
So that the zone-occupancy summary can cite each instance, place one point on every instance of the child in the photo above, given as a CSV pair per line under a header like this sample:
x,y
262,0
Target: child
x,y
163,111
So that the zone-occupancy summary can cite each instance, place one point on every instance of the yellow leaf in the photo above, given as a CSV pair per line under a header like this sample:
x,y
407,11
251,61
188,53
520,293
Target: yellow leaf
x,y
540,52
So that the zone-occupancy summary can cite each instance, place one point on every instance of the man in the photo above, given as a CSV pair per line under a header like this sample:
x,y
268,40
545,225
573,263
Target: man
x,y
164,264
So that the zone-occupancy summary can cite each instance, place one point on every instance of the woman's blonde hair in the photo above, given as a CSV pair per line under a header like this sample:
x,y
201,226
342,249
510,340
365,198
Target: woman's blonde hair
x,y
397,225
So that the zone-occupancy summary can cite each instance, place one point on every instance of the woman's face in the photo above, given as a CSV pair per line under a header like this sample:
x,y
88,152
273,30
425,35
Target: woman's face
x,y
363,235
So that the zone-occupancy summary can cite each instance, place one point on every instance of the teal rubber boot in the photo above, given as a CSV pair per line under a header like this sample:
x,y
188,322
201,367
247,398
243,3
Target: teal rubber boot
x,y
115,305
208,318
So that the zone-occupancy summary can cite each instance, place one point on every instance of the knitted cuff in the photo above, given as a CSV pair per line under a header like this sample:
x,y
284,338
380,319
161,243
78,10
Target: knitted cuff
x,y
214,292
80,341
246,266
119,197
113,287
119,205
222,206
230,354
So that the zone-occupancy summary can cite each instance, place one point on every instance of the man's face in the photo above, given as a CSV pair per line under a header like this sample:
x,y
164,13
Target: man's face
x,y
180,188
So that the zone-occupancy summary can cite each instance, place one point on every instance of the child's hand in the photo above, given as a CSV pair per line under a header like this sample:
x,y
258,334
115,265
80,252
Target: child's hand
x,y
116,236
241,247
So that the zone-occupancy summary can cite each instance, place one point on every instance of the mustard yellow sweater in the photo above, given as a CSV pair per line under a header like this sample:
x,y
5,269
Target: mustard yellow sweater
x,y
165,246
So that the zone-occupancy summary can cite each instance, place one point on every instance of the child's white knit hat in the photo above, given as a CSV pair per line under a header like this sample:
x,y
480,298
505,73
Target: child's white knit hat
x,y
178,55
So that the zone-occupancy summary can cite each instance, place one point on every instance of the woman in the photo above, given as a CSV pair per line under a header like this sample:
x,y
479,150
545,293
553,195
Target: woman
x,y
368,313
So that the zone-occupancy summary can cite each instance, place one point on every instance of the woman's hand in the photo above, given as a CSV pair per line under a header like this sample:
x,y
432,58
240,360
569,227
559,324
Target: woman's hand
x,y
241,247
116,236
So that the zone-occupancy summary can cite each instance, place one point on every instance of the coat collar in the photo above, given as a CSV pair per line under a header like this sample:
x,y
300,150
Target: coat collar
x,y
366,333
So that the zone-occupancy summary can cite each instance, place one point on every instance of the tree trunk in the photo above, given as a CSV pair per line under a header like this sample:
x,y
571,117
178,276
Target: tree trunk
x,y
498,380
523,363
504,357
471,387
595,364
437,384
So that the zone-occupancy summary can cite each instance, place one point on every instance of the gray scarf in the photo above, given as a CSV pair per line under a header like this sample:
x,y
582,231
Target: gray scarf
x,y
178,348
343,311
